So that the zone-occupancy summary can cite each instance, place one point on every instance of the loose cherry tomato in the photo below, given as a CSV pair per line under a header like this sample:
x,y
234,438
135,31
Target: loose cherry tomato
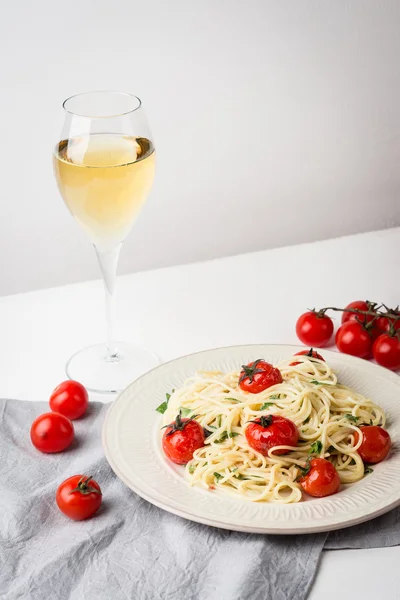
x,y
257,376
314,329
273,430
79,497
375,444
310,353
70,399
386,351
52,432
321,480
352,338
360,305
181,439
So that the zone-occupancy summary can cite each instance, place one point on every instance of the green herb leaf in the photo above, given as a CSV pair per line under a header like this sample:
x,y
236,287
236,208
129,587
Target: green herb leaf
x,y
316,448
275,397
266,405
164,405
218,476
191,469
224,436
352,418
241,477
331,449
368,470
219,421
306,420
315,382
232,399
185,412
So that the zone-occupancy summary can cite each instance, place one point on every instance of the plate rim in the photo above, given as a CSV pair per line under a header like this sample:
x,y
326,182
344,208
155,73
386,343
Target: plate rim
x,y
186,514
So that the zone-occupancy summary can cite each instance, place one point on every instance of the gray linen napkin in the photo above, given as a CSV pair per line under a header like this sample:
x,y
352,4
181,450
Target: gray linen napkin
x,y
131,549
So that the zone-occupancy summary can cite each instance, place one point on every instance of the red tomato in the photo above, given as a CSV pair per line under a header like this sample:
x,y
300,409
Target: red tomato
x,y
386,351
361,305
311,353
382,325
52,432
352,338
257,376
375,444
314,329
181,439
266,432
79,497
70,399
321,480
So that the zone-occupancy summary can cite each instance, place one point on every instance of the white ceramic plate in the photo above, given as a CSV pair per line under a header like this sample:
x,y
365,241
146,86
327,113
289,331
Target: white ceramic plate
x,y
131,439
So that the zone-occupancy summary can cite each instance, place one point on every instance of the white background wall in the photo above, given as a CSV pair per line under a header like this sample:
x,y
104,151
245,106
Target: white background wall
x,y
275,123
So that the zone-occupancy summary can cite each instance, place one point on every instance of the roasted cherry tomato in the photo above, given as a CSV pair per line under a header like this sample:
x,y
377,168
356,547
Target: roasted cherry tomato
x,y
353,338
321,479
181,439
386,351
360,305
70,399
259,375
310,353
270,431
52,432
314,329
375,444
79,497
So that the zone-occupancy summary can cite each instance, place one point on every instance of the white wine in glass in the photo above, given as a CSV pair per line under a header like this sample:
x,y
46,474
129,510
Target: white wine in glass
x,y
104,166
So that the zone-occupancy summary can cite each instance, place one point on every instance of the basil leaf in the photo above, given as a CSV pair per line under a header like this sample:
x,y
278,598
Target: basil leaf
x,y
232,399
191,469
164,405
315,382
218,476
368,470
316,448
266,405
224,436
352,418
185,412
241,477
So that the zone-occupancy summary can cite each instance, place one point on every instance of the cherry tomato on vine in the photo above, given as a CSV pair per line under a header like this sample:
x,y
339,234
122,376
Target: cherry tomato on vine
x,y
321,479
257,376
273,430
352,338
79,497
360,305
314,329
52,432
375,444
383,325
181,439
310,353
386,351
70,399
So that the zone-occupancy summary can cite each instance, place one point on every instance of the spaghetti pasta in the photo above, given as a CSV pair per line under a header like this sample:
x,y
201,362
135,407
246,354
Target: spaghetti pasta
x,y
326,413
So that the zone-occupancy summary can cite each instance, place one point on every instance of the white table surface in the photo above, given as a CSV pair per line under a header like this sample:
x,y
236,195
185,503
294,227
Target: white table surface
x,y
252,298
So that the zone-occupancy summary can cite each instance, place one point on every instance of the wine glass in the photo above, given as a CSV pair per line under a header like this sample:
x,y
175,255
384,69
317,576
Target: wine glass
x,y
104,167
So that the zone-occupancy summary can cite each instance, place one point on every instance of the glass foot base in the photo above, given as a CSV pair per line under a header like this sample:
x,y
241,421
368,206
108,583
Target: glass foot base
x,y
91,368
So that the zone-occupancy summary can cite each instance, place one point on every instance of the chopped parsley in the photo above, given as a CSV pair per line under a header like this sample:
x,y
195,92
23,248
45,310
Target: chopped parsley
x,y
191,469
368,470
266,405
218,476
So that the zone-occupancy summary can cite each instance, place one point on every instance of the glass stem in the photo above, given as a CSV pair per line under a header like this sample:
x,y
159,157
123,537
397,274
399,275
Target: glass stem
x,y
108,264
